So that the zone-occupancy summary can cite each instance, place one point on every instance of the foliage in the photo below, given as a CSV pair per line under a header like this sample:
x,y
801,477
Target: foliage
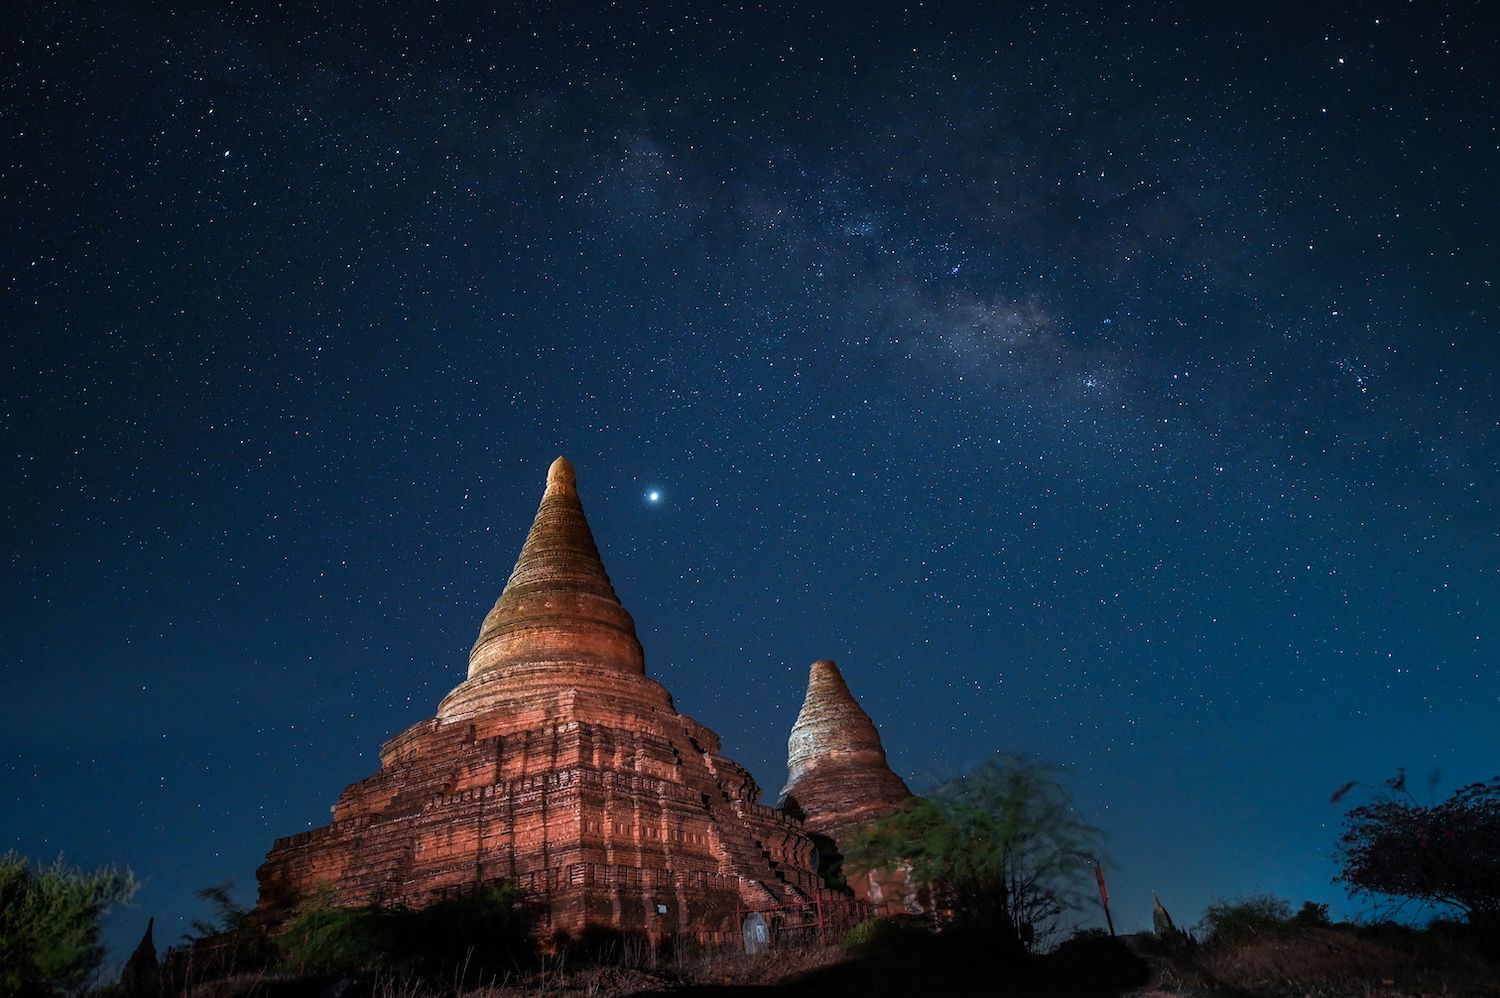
x,y
1259,916
230,915
1002,846
1443,854
478,933
1230,923
1086,944
49,923
1091,961
1311,916
883,931
239,943
334,940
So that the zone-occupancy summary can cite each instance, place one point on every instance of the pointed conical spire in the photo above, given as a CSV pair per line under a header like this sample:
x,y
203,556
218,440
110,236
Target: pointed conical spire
x,y
559,605
837,774
141,977
560,475
1161,920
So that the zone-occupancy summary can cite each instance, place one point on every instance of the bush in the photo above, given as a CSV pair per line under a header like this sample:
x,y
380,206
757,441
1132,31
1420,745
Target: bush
x,y
49,923
884,930
479,933
1092,961
1086,944
1311,916
1229,923
337,940
232,941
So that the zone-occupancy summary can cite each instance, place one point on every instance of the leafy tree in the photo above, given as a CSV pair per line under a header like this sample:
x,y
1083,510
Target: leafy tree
x,y
49,923
1002,847
1443,854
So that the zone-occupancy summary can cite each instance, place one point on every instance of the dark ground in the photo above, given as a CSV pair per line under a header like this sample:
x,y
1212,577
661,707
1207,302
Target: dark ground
x,y
933,966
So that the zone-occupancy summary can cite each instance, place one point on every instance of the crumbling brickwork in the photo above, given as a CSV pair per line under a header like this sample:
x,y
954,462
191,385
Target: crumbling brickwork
x,y
559,766
838,780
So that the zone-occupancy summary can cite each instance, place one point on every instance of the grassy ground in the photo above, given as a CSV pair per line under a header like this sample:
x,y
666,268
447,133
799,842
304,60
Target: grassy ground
x,y
1330,961
1306,962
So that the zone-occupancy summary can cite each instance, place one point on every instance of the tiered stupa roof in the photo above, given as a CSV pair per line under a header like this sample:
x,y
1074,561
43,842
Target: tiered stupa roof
x,y
837,774
558,624
559,766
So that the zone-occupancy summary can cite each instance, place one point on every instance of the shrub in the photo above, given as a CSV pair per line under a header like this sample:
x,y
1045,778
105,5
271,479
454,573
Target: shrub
x,y
485,930
337,940
49,923
884,930
478,933
1092,961
1229,923
1311,916
1086,944
231,941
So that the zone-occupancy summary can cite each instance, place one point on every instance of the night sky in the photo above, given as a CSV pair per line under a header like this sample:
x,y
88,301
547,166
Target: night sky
x,y
1111,384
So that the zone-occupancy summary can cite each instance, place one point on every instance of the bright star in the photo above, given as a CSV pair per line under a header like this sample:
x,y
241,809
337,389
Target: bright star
x,y
654,496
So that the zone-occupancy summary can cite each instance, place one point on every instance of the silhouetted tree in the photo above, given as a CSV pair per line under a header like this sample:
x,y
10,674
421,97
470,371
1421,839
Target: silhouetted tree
x,y
1002,847
49,923
1444,854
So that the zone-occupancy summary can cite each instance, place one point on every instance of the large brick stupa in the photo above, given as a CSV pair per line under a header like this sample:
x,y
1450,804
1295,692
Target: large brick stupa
x,y
557,765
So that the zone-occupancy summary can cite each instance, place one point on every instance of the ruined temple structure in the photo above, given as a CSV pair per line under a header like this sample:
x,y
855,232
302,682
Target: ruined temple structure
x,y
838,781
559,766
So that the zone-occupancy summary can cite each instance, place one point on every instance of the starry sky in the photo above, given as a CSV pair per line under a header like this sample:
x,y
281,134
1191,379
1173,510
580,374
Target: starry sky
x,y
1110,383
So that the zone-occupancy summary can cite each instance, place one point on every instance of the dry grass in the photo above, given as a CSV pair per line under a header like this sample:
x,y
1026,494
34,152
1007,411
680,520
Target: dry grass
x,y
1327,962
627,966
640,971
1313,959
1305,963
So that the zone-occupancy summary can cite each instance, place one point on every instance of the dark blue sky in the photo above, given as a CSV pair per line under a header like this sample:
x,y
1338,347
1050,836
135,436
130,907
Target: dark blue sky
x,y
1115,384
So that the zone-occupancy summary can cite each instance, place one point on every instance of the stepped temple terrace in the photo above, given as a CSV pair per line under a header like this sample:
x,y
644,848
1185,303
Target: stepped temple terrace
x,y
559,766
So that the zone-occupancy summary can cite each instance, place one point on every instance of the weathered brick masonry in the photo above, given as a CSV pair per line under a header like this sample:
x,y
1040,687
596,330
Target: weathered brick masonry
x,y
839,781
558,765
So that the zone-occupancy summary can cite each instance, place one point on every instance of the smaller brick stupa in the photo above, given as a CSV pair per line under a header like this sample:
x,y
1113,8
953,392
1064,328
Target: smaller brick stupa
x,y
559,766
839,781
